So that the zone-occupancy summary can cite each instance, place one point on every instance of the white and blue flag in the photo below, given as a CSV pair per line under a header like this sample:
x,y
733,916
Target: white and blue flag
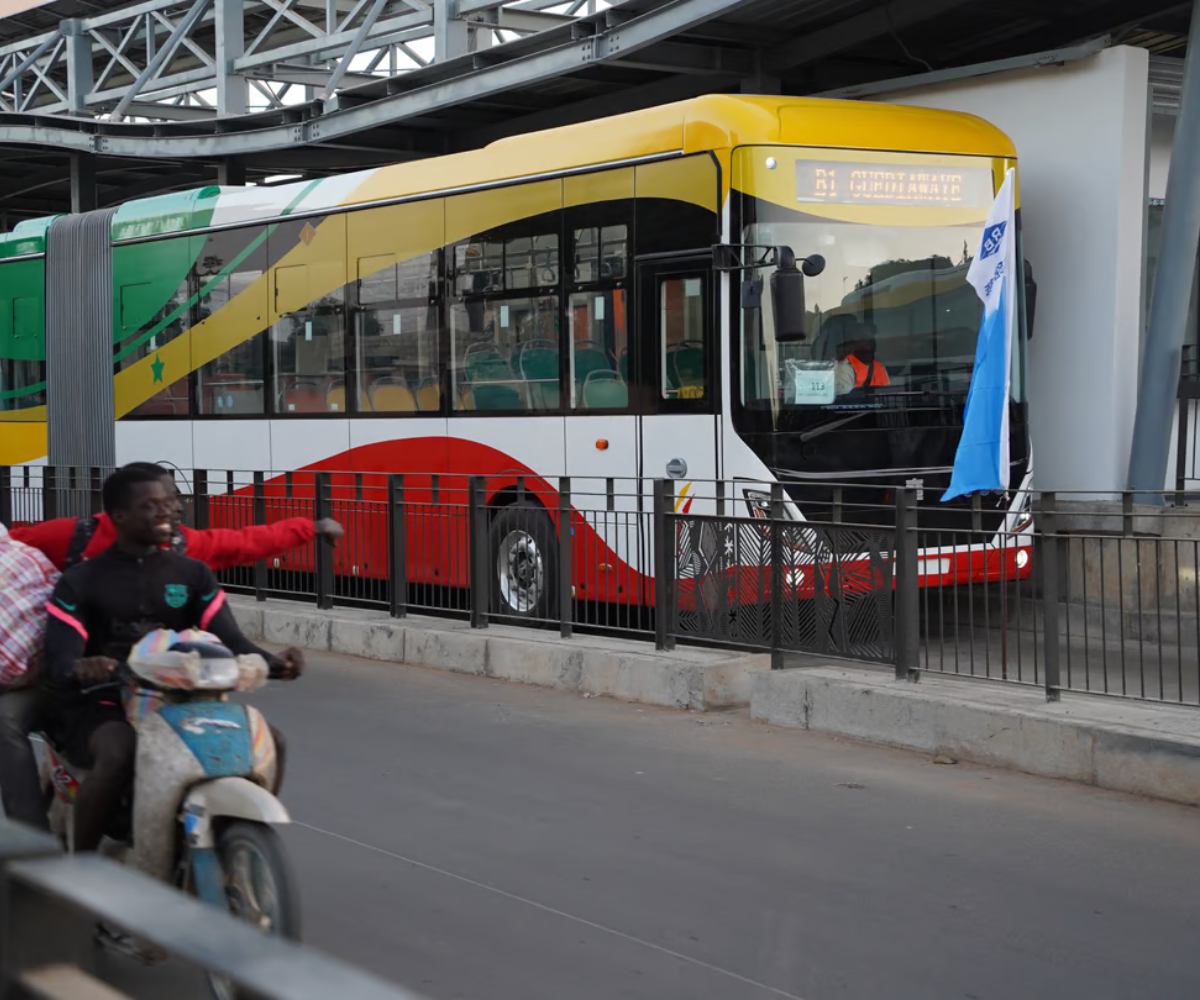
x,y
981,462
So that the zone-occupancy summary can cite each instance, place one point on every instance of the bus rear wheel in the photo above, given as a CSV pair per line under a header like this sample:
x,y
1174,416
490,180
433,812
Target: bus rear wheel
x,y
525,563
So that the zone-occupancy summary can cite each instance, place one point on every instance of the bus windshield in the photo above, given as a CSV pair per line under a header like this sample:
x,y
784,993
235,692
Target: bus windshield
x,y
890,322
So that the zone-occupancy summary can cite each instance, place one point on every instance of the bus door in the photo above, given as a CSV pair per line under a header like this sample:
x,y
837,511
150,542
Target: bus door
x,y
602,445
679,359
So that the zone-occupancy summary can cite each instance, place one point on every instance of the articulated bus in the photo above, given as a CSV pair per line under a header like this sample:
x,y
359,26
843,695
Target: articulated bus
x,y
751,290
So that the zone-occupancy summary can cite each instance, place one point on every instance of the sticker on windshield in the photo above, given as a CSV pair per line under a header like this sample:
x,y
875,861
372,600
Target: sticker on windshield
x,y
812,383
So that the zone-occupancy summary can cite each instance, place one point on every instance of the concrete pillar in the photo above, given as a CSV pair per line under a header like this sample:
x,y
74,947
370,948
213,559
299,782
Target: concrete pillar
x,y
83,183
1172,294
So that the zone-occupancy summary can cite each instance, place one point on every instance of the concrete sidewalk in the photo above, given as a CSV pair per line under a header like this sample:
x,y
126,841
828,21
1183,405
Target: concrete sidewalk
x,y
1127,746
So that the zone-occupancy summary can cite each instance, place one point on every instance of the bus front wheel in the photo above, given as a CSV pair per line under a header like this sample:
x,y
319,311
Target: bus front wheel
x,y
525,561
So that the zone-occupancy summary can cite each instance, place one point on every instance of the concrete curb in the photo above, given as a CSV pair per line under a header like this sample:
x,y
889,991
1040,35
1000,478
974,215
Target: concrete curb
x,y
1123,746
1139,747
696,679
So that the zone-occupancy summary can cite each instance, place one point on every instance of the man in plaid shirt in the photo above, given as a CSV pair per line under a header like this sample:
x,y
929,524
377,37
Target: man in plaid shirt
x,y
26,580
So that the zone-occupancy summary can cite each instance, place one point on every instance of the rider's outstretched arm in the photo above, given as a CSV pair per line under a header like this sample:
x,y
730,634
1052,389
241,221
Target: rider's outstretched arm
x,y
224,548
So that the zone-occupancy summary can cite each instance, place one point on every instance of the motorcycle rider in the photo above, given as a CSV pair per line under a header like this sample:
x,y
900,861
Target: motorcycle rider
x,y
98,611
66,541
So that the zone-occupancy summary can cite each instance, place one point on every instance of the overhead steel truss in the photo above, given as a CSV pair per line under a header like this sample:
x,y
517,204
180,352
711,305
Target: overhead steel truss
x,y
81,87
192,60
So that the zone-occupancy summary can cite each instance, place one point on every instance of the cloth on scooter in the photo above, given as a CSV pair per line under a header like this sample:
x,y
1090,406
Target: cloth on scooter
x,y
26,580
103,607
195,660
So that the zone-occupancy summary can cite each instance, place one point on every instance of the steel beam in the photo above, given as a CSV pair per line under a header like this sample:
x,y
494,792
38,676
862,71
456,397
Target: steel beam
x,y
28,62
79,65
552,54
450,35
354,48
1171,298
232,90
161,57
171,112
307,76
83,183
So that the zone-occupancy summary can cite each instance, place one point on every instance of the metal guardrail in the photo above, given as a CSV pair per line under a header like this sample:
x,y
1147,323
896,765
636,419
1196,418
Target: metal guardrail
x,y
1072,593
1187,430
50,904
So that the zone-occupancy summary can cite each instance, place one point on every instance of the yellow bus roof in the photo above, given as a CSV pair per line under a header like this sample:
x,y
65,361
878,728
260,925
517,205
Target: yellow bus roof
x,y
714,122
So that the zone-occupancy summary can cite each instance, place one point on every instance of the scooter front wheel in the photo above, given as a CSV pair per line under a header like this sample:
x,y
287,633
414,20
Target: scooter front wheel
x,y
259,887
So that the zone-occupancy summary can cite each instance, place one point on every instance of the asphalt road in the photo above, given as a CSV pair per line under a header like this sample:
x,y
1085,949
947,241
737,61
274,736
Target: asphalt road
x,y
473,839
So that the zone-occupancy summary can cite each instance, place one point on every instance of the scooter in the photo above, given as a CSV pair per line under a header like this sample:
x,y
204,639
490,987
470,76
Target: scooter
x,y
203,812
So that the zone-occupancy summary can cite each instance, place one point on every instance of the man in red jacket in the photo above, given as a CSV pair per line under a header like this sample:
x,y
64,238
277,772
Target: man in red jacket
x,y
220,548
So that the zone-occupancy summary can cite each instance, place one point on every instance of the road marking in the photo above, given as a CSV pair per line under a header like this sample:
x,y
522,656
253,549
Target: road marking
x,y
774,991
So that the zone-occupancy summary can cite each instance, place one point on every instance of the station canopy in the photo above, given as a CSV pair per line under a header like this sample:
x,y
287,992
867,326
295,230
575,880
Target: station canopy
x,y
133,99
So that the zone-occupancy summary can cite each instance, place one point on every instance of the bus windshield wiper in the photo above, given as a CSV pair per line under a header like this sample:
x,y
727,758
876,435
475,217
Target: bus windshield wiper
x,y
831,425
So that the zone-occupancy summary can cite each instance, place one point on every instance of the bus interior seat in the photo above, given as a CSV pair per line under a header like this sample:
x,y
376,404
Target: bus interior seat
x,y
229,393
537,344
686,364
605,390
539,368
335,396
303,397
392,395
429,396
160,406
587,357
623,364
483,356
495,396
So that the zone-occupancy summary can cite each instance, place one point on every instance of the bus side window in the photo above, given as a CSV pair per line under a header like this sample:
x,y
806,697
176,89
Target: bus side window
x,y
683,340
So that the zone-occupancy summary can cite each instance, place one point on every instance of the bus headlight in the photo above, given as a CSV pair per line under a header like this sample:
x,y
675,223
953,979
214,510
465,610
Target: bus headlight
x,y
759,504
1022,558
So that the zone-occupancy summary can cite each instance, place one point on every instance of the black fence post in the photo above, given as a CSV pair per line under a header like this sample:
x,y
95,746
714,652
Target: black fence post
x,y
477,550
776,529
1047,528
907,584
664,564
200,507
6,497
95,490
398,548
259,515
566,536
49,493
324,560
1181,439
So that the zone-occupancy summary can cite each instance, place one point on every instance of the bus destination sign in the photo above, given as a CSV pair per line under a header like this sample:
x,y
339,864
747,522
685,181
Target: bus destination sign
x,y
839,183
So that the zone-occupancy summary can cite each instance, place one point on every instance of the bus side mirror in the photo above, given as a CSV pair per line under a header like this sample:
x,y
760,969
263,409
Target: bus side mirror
x,y
787,293
1030,300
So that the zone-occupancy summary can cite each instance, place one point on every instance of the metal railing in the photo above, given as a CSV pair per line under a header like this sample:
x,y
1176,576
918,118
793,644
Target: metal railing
x,y
1061,591
1187,430
51,904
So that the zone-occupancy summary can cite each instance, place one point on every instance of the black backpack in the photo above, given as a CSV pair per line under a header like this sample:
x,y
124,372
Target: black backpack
x,y
86,527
